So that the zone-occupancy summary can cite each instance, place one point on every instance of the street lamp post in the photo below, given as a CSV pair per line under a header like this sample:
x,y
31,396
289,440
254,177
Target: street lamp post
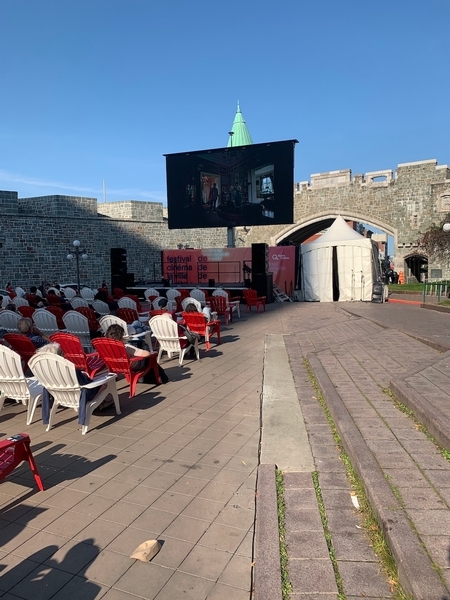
x,y
77,254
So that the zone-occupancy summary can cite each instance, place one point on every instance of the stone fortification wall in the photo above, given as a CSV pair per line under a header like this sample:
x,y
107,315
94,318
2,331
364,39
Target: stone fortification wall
x,y
403,204
36,234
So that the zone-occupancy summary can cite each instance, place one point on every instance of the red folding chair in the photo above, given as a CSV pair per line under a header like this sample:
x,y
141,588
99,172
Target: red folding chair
x,y
252,299
89,313
58,312
117,360
26,311
22,345
196,322
128,315
13,451
220,306
89,362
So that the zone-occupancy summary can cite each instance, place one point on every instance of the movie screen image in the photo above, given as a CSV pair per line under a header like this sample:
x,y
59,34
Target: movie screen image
x,y
231,187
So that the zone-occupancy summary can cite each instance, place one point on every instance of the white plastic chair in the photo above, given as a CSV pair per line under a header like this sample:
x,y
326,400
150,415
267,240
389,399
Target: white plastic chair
x,y
198,295
45,321
88,294
108,320
9,320
14,384
5,301
19,301
20,291
190,300
77,302
78,324
166,332
58,376
101,307
150,292
235,304
172,294
69,293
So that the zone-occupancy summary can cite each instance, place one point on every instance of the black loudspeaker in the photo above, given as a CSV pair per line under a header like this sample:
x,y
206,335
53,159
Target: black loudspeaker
x,y
263,284
260,259
129,279
118,258
166,282
211,283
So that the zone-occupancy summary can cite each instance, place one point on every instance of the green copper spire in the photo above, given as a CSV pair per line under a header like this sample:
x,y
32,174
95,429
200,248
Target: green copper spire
x,y
239,134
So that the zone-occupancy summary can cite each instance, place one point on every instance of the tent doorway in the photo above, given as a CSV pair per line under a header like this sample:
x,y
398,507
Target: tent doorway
x,y
336,292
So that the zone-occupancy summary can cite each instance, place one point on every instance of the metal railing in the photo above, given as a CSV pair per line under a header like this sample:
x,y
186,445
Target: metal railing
x,y
438,289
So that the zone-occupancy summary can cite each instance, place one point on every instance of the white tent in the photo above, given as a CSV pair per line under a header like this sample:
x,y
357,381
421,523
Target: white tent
x,y
340,265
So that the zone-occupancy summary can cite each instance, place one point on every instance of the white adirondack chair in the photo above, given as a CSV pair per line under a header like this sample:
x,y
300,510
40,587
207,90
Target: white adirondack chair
x,y
78,324
172,294
19,301
77,302
69,293
58,376
191,300
130,333
45,321
88,294
14,384
166,332
101,307
198,295
9,320
150,292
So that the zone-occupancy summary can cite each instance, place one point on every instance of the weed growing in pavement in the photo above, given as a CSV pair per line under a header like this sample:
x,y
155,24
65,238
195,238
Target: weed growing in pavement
x,y
323,516
369,520
407,411
286,587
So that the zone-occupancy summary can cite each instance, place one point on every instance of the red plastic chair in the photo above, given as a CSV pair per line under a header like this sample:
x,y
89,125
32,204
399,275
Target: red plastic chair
x,y
89,313
58,312
196,322
15,450
26,311
22,345
252,299
219,305
128,315
118,292
184,293
89,362
53,300
117,361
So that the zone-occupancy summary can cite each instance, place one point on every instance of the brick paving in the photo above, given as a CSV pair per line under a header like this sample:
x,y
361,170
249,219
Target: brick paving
x,y
180,465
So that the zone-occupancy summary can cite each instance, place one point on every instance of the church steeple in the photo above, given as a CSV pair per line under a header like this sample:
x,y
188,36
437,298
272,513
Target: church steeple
x,y
239,134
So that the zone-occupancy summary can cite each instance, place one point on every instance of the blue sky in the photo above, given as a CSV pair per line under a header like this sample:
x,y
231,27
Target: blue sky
x,y
97,90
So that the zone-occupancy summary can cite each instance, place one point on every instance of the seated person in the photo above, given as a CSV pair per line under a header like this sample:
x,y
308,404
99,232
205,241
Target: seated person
x,y
33,298
26,327
58,300
88,394
116,332
102,294
183,331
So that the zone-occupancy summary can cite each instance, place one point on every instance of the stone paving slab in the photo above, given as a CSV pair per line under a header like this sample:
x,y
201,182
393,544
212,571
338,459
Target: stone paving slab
x,y
352,377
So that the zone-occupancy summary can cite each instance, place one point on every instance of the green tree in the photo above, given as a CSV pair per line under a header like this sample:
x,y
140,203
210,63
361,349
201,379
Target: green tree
x,y
435,241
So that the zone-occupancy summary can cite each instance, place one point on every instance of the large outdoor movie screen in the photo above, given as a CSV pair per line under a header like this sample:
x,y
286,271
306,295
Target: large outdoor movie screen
x,y
230,187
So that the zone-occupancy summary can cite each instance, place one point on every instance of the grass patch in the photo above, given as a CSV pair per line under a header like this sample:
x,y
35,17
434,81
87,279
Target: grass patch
x,y
444,303
286,587
411,287
368,517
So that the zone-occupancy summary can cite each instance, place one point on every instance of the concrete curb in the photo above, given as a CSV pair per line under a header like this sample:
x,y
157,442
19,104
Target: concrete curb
x,y
444,309
267,565
415,569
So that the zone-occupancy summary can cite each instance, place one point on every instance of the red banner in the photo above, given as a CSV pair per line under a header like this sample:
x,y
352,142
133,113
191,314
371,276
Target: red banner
x,y
226,265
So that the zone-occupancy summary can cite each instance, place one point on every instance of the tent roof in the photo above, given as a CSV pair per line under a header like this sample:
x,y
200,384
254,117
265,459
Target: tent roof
x,y
339,232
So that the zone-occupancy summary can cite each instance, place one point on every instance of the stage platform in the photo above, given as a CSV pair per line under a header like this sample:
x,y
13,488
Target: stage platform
x,y
138,290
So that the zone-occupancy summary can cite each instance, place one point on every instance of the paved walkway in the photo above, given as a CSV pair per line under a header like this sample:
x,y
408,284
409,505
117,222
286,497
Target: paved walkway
x,y
181,465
